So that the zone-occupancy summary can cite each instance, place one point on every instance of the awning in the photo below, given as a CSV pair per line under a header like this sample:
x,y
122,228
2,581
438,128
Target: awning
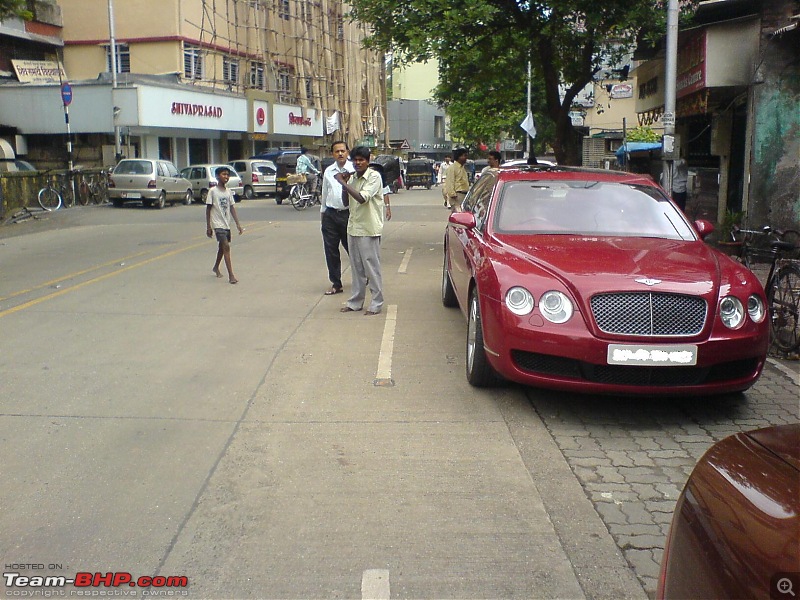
x,y
631,148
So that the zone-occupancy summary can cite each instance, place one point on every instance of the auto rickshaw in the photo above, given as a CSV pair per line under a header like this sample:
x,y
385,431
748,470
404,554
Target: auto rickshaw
x,y
389,166
419,171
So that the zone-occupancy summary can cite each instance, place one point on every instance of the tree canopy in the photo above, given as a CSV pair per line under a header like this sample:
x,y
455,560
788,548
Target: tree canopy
x,y
14,8
483,47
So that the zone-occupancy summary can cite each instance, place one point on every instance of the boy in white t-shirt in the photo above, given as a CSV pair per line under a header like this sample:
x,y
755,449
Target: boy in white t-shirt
x,y
219,209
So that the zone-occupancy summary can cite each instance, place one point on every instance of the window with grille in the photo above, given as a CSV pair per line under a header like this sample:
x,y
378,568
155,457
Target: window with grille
x,y
284,11
230,70
305,9
257,75
284,82
192,62
123,58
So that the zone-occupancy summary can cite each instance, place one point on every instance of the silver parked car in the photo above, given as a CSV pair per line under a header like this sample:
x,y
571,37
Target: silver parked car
x,y
151,182
204,177
258,176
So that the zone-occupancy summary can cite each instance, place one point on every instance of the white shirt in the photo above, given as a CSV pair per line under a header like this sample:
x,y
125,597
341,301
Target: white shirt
x,y
221,202
332,189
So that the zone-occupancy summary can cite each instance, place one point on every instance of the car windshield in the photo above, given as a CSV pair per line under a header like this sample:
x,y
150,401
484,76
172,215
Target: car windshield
x,y
592,208
134,167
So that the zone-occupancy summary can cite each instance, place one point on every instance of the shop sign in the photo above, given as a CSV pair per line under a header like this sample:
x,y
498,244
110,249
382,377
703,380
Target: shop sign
x,y
167,107
260,116
39,71
445,146
622,90
294,120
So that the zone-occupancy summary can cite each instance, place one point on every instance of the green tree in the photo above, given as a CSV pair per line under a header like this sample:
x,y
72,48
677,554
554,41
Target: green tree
x,y
14,8
484,46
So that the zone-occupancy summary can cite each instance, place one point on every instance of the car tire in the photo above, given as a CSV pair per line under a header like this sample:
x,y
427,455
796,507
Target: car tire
x,y
162,200
203,196
117,203
248,192
278,201
449,299
479,371
188,198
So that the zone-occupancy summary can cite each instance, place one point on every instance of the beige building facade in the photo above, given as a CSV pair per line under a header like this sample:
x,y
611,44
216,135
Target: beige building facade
x,y
208,80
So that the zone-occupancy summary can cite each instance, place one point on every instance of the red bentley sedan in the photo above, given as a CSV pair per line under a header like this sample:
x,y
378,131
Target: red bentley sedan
x,y
594,281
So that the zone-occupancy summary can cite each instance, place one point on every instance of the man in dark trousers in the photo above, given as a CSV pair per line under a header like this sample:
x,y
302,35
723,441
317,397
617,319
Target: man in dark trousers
x,y
334,214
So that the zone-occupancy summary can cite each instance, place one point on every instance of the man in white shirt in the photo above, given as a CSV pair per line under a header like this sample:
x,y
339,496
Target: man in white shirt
x,y
335,214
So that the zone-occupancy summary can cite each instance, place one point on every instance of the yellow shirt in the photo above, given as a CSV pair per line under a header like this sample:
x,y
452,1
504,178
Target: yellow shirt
x,y
457,180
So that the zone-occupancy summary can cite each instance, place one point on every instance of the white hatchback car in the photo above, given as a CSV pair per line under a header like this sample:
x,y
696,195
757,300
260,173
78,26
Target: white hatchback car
x,y
258,176
204,177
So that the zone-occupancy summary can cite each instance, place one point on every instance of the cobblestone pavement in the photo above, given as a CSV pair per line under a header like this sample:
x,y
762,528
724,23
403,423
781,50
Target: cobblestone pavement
x,y
633,455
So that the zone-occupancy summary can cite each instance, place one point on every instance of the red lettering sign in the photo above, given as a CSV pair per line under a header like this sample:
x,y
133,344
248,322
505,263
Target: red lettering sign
x,y
293,120
196,110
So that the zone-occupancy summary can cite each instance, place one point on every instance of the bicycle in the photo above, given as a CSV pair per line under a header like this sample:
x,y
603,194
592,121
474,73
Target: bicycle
x,y
300,195
782,285
55,195
94,188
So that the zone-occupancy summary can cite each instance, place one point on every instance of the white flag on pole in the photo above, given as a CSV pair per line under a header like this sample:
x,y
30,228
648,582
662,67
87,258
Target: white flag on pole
x,y
332,123
528,125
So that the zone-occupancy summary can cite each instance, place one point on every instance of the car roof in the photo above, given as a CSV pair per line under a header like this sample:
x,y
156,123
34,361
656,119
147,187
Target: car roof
x,y
564,173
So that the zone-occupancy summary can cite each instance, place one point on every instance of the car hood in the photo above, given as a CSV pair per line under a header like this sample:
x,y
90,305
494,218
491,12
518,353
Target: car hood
x,y
783,441
599,264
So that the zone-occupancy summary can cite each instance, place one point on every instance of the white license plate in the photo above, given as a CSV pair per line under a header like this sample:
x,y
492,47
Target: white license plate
x,y
131,195
649,356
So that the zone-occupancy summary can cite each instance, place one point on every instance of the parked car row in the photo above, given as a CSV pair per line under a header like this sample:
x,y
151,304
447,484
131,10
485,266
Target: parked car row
x,y
154,182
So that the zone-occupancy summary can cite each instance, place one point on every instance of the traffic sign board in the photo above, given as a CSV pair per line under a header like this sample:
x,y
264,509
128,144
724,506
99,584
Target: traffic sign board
x,y
66,94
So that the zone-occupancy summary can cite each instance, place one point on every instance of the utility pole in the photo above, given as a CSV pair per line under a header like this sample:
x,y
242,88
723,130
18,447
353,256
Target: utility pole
x,y
113,43
669,151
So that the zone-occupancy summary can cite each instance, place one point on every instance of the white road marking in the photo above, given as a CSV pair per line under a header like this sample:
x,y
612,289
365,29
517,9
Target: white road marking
x,y
375,584
404,263
383,377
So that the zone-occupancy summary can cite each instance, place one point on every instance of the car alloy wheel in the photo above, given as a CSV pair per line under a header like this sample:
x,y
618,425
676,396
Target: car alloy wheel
x,y
249,193
479,371
189,197
162,200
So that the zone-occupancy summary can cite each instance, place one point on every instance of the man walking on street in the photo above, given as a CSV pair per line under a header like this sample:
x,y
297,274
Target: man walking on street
x,y
364,229
456,184
335,214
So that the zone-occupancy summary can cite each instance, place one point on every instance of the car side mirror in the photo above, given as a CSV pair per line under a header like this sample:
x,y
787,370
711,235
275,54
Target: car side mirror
x,y
704,228
465,219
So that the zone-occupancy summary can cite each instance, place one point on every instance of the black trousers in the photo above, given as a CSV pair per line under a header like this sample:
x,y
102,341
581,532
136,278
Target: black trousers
x,y
334,232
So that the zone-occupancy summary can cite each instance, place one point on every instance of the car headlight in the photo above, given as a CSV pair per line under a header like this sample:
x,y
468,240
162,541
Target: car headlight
x,y
731,312
555,307
519,301
756,309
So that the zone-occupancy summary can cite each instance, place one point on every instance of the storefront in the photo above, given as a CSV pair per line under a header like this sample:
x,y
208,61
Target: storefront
x,y
155,120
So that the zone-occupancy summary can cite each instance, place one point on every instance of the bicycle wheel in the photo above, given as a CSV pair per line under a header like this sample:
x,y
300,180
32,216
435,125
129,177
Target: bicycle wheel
x,y
84,193
299,196
67,195
783,299
49,198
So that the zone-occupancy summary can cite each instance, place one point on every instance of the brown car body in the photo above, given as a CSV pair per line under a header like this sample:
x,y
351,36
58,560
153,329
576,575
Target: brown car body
x,y
736,528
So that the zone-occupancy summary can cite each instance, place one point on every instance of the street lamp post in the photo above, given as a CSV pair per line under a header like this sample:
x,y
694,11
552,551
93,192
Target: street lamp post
x,y
668,149
113,50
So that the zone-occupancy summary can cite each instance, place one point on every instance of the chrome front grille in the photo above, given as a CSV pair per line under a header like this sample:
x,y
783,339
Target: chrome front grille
x,y
649,313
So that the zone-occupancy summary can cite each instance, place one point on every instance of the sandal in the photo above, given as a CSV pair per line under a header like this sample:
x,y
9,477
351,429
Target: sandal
x,y
333,290
348,309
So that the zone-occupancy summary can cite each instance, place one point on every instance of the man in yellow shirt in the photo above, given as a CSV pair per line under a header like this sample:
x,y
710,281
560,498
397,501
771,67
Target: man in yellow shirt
x,y
457,183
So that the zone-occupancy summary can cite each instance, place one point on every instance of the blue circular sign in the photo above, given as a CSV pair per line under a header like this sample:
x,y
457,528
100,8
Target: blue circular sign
x,y
66,94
